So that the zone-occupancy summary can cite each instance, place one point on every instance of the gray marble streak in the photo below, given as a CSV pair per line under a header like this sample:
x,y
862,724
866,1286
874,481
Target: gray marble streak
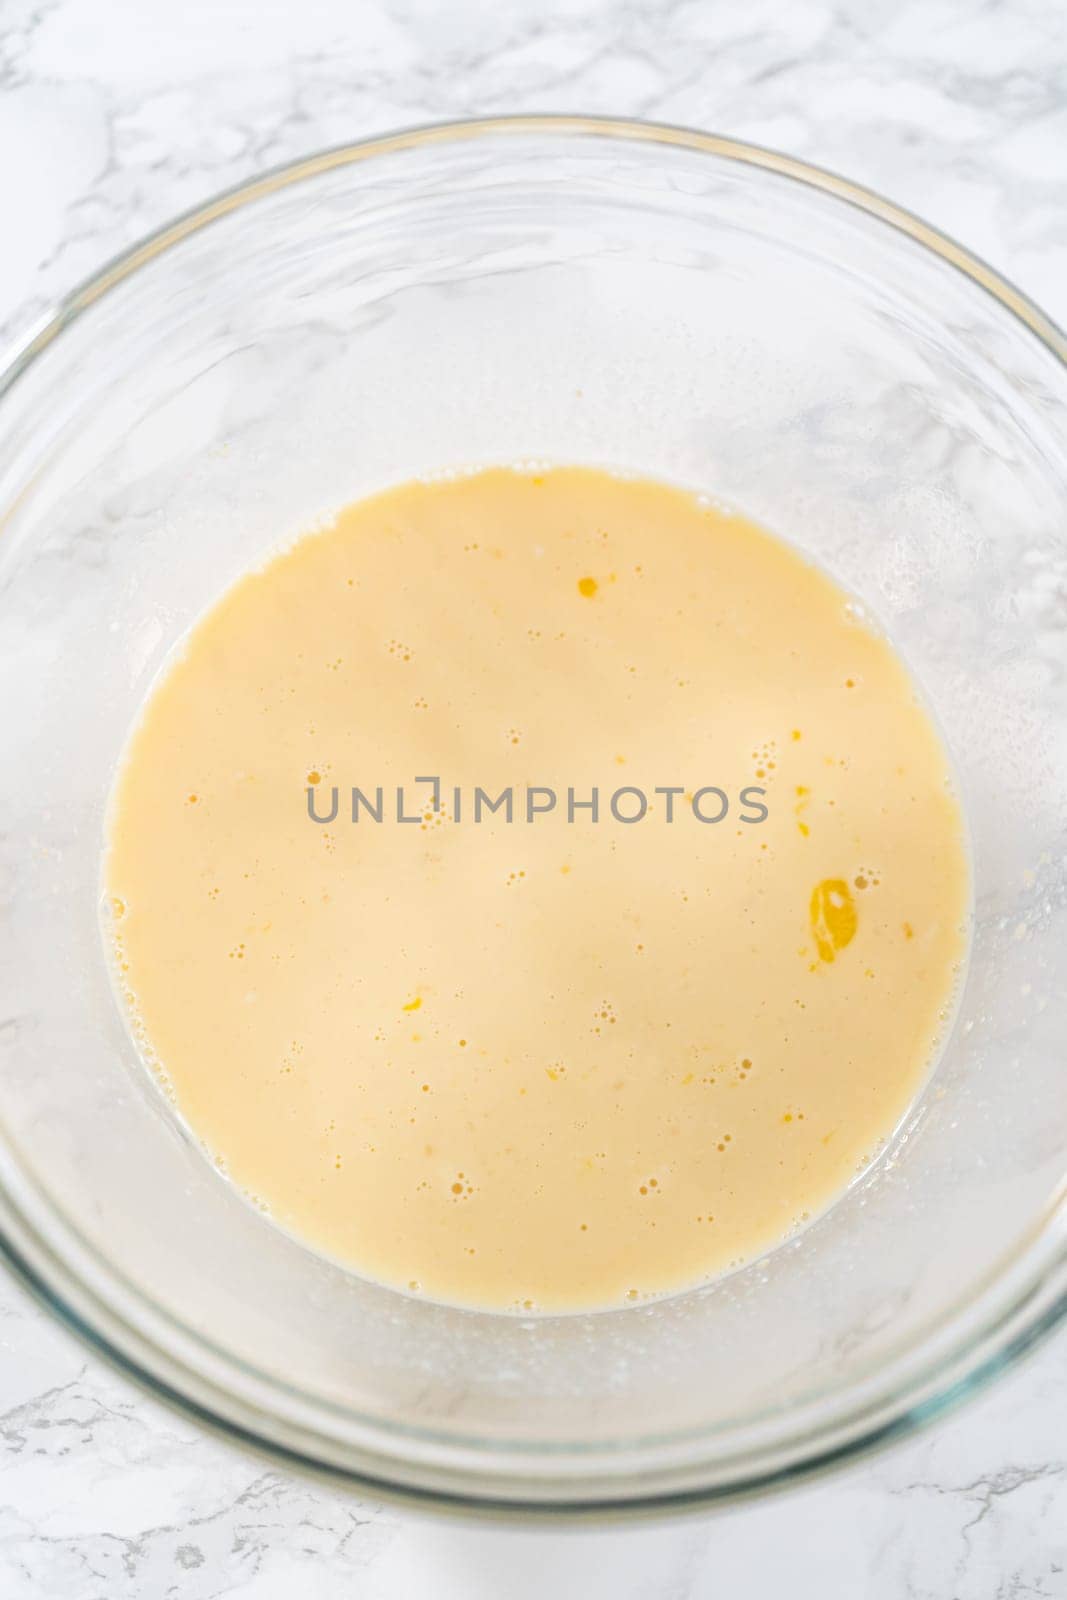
x,y
114,115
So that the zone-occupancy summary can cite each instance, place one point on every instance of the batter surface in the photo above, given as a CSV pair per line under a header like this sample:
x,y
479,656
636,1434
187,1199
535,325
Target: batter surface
x,y
557,1061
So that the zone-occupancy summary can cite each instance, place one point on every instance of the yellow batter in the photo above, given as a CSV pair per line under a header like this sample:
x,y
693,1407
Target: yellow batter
x,y
561,1062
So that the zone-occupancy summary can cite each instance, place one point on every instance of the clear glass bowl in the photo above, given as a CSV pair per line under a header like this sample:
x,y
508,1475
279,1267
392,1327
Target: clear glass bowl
x,y
585,291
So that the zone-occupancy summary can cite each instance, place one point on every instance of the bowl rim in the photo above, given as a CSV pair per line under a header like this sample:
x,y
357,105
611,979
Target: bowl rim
x,y
1038,1299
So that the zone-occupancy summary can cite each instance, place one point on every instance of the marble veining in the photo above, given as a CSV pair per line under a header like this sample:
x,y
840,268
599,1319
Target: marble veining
x,y
115,115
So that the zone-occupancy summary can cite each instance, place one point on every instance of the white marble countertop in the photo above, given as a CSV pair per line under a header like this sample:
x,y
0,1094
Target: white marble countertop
x,y
115,114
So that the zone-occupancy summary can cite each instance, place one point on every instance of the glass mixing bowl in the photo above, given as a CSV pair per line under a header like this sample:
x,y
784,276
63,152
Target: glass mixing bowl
x,y
573,290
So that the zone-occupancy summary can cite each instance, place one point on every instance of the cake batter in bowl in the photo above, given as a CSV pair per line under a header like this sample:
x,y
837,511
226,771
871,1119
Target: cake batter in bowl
x,y
542,294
